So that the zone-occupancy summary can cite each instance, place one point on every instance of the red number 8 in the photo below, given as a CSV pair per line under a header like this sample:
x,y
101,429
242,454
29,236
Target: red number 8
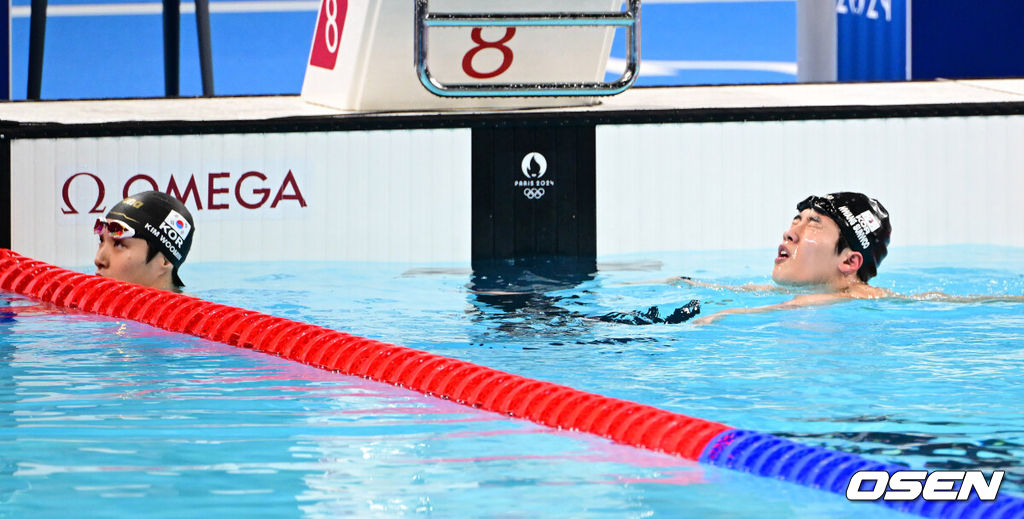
x,y
506,53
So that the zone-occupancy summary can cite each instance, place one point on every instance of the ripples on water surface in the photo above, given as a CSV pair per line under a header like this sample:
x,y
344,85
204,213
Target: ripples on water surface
x,y
101,416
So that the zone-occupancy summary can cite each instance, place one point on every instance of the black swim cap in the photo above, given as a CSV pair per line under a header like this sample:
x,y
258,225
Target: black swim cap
x,y
863,221
161,220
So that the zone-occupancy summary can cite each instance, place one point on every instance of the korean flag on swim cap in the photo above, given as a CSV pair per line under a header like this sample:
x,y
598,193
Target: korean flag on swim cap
x,y
161,220
862,220
179,223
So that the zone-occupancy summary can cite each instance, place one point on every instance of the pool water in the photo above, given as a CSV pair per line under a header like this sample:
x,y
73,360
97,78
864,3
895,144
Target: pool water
x,y
101,416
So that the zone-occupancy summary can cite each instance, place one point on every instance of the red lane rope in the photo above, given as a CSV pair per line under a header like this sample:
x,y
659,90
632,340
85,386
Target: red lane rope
x,y
459,381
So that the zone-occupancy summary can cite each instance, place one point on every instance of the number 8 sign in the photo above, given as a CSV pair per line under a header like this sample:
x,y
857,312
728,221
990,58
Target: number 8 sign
x,y
364,54
506,53
328,33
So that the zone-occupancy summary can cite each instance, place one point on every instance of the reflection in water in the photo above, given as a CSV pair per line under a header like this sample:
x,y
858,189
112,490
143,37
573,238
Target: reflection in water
x,y
7,464
939,452
11,308
653,315
511,286
517,294
526,296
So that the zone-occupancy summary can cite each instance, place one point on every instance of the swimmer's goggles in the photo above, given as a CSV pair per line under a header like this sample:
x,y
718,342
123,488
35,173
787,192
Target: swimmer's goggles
x,y
827,207
118,230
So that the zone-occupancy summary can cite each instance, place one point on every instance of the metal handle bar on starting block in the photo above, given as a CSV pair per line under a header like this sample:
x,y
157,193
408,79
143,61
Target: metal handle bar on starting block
x,y
630,19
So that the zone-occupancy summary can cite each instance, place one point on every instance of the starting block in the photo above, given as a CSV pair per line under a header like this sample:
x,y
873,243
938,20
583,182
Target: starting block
x,y
392,55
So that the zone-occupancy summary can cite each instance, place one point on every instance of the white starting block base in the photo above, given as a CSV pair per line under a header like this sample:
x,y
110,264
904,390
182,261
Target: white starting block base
x,y
362,55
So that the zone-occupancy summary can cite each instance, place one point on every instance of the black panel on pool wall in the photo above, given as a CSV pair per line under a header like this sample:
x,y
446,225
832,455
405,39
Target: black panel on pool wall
x,y
533,192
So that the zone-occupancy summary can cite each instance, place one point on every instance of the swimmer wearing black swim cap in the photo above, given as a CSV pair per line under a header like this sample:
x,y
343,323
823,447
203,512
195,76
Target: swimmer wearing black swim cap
x,y
855,227
833,246
144,239
863,226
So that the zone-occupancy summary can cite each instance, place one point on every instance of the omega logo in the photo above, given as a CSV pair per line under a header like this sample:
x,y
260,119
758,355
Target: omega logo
x,y
101,193
249,189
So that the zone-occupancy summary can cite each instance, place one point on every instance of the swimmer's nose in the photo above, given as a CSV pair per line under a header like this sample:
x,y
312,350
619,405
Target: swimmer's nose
x,y
789,236
101,260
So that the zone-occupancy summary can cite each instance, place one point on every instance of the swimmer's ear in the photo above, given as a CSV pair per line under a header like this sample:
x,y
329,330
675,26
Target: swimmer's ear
x,y
163,263
851,262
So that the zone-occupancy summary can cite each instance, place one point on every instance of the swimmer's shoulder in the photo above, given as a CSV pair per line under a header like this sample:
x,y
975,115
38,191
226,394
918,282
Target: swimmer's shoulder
x,y
861,291
821,298
871,292
865,291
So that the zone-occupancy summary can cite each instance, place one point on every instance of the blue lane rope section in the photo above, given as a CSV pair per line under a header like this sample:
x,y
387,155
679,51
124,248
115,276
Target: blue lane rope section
x,y
817,467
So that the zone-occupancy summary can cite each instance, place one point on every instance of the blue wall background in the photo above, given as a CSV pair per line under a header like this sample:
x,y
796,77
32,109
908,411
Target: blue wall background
x,y
265,53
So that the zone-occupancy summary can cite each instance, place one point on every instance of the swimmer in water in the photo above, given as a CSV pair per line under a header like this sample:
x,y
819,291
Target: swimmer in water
x,y
144,239
831,249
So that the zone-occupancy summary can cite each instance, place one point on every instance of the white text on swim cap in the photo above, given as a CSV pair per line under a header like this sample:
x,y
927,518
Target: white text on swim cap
x,y
176,227
167,230
858,228
867,219
163,239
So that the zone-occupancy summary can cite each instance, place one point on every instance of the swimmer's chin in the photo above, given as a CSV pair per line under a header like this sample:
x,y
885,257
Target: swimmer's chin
x,y
781,281
793,283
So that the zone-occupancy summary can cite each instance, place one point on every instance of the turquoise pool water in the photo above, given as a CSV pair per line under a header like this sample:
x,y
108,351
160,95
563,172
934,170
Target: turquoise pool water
x,y
102,417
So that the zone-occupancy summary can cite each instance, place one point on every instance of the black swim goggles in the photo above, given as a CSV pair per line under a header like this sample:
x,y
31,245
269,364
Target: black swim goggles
x,y
118,230
822,205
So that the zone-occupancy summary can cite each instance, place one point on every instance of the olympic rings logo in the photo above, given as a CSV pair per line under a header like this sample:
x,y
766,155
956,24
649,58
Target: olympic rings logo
x,y
533,193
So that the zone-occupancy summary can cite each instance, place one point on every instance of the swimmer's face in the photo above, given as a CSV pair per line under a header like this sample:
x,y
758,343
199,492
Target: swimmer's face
x,y
807,255
125,260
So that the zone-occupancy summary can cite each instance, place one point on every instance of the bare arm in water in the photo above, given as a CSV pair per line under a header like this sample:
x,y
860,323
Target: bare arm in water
x,y
946,298
799,301
684,280
806,300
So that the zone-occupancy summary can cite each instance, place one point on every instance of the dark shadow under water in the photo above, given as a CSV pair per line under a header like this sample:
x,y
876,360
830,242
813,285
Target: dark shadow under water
x,y
529,297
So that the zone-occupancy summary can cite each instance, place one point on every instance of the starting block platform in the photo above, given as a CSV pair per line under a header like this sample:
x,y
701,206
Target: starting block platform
x,y
461,54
